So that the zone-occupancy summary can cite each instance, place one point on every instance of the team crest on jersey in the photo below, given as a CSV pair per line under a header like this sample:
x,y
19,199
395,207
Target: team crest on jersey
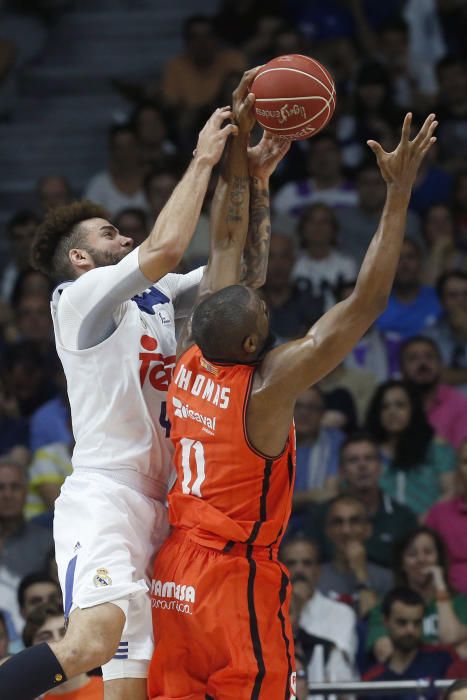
x,y
149,299
208,367
102,578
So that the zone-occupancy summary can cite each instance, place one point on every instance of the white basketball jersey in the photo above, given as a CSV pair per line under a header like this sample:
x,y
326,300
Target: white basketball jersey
x,y
117,392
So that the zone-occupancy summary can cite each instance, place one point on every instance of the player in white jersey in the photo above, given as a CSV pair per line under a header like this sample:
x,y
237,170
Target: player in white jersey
x,y
115,335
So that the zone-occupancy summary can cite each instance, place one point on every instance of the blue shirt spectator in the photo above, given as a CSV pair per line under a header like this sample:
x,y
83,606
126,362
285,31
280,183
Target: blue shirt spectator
x,y
50,423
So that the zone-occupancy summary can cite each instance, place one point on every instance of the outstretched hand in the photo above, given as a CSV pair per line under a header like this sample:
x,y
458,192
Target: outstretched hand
x,y
399,168
212,137
243,101
265,156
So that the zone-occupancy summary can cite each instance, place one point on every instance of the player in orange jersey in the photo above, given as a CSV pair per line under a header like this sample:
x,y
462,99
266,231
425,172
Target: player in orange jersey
x,y
219,594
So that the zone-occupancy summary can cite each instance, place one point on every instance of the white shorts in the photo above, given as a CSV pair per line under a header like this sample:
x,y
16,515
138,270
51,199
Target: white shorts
x,y
106,536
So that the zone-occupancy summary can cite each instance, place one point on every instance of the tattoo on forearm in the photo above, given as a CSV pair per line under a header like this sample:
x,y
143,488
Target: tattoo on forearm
x,y
259,234
237,197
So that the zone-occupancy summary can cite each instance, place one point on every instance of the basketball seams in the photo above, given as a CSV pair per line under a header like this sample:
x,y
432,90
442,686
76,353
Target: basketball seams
x,y
293,70
280,110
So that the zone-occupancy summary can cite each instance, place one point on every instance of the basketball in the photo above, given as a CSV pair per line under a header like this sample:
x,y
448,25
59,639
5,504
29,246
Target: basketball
x,y
295,96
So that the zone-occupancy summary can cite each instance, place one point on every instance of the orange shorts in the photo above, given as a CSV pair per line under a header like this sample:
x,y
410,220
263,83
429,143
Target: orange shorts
x,y
221,623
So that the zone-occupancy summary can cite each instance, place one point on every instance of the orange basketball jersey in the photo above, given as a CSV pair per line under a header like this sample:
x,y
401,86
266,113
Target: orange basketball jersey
x,y
226,491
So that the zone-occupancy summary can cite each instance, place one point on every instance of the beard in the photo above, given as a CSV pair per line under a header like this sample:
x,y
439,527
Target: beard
x,y
103,258
407,643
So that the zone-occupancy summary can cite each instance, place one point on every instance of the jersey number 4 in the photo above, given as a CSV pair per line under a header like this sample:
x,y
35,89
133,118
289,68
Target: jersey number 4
x,y
188,448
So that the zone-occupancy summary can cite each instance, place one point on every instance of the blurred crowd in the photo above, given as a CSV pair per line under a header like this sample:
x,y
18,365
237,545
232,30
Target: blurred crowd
x,y
376,546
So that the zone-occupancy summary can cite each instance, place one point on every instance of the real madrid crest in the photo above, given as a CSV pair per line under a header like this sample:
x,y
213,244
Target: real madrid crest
x,y
102,578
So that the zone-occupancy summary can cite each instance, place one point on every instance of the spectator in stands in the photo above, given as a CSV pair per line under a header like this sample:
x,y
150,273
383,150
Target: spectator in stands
x,y
449,520
53,191
326,628
33,321
20,232
360,469
150,125
25,377
450,331
350,577
452,112
158,186
440,237
51,422
46,623
133,223
31,283
358,382
358,223
192,79
412,306
120,186
445,406
411,83
4,640
36,589
50,466
409,659
433,185
319,261
317,451
293,309
14,429
23,545
460,209
420,563
326,183
372,114
418,466
373,353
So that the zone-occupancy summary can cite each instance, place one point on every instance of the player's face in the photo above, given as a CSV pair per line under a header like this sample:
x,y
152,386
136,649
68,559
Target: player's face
x,y
280,263
38,594
53,630
361,466
417,558
404,624
346,522
13,489
308,412
420,364
455,295
301,559
105,244
409,267
395,410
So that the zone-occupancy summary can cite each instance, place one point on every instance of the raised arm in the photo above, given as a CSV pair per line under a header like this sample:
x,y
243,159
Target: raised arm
x,y
262,161
164,248
289,369
229,210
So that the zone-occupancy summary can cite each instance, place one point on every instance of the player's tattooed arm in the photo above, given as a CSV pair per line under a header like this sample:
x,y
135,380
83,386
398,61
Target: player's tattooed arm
x,y
256,253
262,161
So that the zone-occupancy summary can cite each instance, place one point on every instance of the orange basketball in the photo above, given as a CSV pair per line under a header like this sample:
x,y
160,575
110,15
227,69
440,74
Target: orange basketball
x,y
295,96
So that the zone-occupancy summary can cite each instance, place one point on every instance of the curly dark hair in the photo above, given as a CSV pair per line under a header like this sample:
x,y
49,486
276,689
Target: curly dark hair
x,y
414,441
58,234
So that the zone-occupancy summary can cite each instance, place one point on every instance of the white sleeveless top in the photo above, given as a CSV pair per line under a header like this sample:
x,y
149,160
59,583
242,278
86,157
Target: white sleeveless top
x,y
117,386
